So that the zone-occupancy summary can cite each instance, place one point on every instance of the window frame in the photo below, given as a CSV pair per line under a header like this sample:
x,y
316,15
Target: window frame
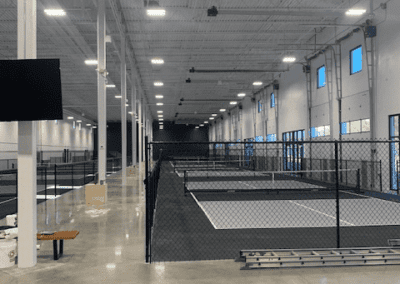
x,y
351,61
318,87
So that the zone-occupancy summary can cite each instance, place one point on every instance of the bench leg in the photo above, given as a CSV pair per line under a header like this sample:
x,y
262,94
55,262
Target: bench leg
x,y
55,250
61,248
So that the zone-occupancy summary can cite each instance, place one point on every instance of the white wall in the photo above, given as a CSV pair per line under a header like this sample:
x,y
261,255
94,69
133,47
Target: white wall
x,y
50,137
292,95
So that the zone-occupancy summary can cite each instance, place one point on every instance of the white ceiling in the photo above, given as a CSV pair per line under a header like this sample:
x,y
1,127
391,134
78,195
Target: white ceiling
x,y
245,35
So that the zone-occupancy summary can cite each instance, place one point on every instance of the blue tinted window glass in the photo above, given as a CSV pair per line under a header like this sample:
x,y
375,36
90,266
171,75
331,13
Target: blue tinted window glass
x,y
259,106
272,100
321,77
356,60
344,128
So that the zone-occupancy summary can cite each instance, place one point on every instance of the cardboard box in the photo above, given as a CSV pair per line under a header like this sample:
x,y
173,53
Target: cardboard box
x,y
95,194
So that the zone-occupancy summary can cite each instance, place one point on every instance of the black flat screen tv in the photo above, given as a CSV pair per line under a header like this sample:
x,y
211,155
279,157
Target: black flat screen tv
x,y
30,90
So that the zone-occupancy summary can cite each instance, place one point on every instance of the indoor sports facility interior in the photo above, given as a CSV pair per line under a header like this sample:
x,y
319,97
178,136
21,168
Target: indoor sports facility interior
x,y
199,141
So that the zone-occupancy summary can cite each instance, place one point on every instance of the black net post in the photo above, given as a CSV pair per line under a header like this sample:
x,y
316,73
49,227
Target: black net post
x,y
337,196
72,176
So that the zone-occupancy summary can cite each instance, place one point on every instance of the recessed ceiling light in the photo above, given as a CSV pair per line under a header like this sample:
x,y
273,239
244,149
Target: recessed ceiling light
x,y
79,121
159,111
355,12
157,61
289,59
205,121
211,118
94,126
88,124
197,127
118,97
160,115
241,95
160,104
233,103
257,83
161,119
154,12
70,117
160,122
159,96
91,62
222,110
158,84
55,12
110,86
202,125
214,114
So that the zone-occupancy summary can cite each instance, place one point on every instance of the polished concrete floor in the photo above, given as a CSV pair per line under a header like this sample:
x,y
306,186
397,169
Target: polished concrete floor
x,y
111,243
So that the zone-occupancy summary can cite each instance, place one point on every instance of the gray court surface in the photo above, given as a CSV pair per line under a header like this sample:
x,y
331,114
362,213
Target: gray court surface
x,y
220,173
249,185
300,213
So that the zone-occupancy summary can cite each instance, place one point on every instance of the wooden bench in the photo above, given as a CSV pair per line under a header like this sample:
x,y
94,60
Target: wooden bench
x,y
61,236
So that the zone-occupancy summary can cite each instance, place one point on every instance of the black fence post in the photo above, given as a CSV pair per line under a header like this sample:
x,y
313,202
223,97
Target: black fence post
x,y
16,206
148,206
45,183
55,180
337,196
84,173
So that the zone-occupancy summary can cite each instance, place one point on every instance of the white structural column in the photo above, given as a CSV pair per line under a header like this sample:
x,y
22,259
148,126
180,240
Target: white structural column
x,y
101,92
134,144
123,107
27,209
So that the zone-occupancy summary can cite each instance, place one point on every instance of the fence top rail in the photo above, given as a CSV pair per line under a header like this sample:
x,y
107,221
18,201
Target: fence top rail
x,y
274,142
295,172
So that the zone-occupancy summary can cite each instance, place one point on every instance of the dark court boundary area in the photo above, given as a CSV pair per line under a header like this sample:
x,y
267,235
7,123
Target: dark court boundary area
x,y
182,232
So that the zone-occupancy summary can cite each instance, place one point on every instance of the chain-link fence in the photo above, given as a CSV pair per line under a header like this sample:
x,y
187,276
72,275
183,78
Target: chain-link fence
x,y
215,199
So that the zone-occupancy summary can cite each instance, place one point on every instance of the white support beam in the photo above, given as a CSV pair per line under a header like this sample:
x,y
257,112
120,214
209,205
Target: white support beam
x,y
123,108
134,112
27,208
101,95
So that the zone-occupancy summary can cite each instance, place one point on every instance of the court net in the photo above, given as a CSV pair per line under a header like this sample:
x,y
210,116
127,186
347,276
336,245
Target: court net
x,y
205,165
270,181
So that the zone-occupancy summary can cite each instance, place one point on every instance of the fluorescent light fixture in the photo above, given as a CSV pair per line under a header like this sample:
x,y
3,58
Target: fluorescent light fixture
x,y
289,59
355,12
79,121
159,111
157,61
197,127
161,119
161,122
91,62
88,124
160,104
214,114
205,121
201,125
211,118
55,12
222,110
257,83
233,103
94,126
118,97
160,115
130,112
70,117
126,105
159,96
241,95
158,84
154,12
110,86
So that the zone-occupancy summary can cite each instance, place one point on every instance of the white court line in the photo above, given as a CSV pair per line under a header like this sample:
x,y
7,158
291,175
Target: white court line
x,y
320,212
205,212
247,184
